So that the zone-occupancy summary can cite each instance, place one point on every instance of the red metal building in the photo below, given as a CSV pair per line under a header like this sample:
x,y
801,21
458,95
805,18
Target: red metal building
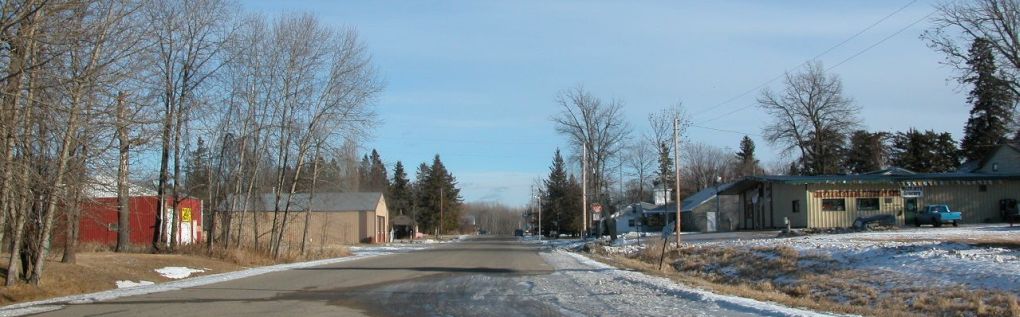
x,y
99,220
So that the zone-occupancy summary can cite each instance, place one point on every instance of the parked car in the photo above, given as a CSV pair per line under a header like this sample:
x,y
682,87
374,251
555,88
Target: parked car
x,y
519,233
937,215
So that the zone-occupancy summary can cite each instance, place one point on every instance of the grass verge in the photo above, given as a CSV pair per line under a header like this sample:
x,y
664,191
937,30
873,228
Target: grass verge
x,y
98,268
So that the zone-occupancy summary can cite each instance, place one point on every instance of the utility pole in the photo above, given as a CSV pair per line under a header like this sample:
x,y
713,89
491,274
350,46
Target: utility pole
x,y
584,190
718,201
676,174
440,233
539,216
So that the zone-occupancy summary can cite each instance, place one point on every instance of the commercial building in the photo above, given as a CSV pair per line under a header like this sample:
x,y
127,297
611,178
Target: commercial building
x,y
837,200
333,218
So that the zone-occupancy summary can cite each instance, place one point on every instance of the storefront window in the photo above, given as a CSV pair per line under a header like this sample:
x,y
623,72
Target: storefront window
x,y
834,204
867,204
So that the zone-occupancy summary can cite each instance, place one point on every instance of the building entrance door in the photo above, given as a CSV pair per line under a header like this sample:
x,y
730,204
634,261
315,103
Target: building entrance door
x,y
910,208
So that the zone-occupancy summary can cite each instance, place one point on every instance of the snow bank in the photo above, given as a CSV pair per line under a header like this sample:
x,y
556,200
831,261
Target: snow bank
x,y
126,284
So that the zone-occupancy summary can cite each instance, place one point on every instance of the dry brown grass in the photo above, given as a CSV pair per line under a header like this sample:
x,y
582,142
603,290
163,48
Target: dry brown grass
x,y
250,257
783,275
98,269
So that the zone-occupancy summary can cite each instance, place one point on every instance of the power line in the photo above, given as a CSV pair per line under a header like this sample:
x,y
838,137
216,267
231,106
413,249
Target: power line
x,y
855,55
421,140
730,131
830,49
883,40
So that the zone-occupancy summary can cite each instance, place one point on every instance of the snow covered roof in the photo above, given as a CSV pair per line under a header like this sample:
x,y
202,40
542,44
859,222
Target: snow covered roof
x,y
105,186
894,170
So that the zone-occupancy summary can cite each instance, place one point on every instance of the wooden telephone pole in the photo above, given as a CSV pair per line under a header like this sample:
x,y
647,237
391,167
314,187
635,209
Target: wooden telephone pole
x,y
676,175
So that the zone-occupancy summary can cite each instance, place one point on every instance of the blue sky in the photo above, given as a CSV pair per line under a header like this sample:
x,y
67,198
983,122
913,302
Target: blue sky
x,y
475,81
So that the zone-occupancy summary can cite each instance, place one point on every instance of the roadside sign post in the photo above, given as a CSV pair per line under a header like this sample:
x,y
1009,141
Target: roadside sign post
x,y
665,240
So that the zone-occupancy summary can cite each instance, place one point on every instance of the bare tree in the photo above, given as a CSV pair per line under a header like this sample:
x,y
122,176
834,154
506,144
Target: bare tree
x,y
596,125
187,37
959,23
661,136
808,114
704,165
640,161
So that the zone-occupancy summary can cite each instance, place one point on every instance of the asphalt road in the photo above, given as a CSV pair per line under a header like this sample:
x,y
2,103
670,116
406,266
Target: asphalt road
x,y
349,288
480,277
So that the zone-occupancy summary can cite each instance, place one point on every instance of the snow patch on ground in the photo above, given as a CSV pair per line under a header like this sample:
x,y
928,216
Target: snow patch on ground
x,y
922,256
177,272
126,284
915,256
594,288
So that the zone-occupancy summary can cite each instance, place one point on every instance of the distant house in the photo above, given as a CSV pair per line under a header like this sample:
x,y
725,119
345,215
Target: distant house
x,y
710,212
334,218
702,212
631,218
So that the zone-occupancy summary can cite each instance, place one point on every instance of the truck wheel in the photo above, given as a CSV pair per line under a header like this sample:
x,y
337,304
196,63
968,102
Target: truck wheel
x,y
937,223
917,222
955,224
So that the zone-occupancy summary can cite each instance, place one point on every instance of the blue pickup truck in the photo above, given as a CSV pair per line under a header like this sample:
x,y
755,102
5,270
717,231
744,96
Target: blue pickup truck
x,y
937,215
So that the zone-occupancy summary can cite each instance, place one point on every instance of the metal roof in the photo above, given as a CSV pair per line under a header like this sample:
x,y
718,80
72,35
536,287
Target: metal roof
x,y
903,179
322,202
703,196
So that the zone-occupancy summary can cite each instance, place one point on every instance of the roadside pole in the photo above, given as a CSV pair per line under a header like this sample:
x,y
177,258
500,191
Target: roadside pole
x,y
676,175
584,191
440,233
665,240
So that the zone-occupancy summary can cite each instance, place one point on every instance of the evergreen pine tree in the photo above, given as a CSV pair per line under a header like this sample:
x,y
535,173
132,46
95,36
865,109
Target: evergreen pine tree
x,y
747,164
448,196
422,197
364,175
926,152
947,154
993,102
400,195
665,172
559,204
867,152
377,179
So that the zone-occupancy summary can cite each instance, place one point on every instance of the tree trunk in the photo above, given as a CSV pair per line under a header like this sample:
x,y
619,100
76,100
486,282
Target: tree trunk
x,y
157,229
123,168
60,190
311,195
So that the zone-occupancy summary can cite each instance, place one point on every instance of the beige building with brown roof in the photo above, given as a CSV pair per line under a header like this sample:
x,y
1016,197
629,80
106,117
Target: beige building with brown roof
x,y
333,218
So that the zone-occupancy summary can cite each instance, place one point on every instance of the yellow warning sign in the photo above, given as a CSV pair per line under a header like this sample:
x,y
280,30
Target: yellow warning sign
x,y
185,214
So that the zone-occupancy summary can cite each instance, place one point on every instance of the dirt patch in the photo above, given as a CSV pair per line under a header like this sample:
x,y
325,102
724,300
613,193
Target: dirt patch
x,y
784,275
